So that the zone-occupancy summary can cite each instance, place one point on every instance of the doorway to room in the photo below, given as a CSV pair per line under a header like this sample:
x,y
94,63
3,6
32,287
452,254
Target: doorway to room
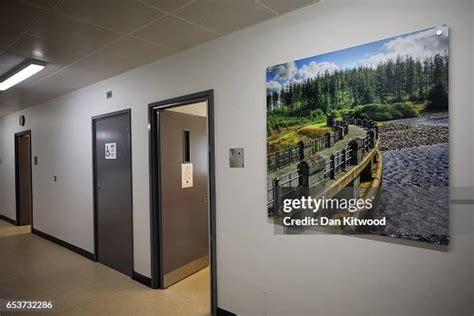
x,y
112,176
182,194
23,179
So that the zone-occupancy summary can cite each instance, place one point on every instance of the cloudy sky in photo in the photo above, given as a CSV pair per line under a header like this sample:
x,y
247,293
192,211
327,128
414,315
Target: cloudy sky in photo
x,y
418,44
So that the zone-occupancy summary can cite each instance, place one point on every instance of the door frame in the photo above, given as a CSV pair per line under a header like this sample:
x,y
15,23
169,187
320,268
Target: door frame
x,y
94,119
155,191
17,174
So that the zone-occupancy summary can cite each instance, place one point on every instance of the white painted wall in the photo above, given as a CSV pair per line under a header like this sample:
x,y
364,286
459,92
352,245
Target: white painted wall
x,y
258,272
472,154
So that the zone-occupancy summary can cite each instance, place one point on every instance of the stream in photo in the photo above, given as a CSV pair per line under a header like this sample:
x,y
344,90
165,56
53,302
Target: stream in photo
x,y
415,184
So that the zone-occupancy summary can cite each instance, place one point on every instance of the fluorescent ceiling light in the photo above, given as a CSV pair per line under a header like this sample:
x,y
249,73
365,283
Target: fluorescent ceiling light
x,y
17,75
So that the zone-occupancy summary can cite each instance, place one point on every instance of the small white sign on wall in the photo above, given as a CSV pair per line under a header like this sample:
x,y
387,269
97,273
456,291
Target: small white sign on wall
x,y
187,175
111,151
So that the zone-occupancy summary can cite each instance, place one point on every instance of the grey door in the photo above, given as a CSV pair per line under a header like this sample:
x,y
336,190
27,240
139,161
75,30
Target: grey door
x,y
184,208
23,162
113,192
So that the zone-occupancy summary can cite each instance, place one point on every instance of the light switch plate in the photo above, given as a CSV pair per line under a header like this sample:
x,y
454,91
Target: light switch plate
x,y
236,157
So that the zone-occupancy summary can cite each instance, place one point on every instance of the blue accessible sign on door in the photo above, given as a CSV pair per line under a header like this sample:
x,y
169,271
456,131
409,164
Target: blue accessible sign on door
x,y
111,151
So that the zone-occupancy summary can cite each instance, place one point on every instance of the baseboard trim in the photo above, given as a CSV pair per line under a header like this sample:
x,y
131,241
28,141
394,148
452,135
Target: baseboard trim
x,y
64,244
223,312
141,279
8,219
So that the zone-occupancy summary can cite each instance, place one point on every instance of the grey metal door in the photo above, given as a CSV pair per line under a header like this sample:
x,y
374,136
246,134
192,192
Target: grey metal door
x,y
24,179
113,192
184,215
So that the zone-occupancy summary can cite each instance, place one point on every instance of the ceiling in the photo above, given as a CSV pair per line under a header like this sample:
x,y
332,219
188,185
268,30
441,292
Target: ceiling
x,y
196,109
85,41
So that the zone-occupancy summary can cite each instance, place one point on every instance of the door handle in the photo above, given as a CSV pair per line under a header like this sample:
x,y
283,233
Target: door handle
x,y
204,198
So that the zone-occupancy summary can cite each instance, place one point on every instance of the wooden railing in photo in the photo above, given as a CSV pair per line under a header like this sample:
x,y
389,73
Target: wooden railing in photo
x,y
294,154
313,169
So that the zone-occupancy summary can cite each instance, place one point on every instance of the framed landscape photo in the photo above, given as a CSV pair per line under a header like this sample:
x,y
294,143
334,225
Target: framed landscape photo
x,y
360,135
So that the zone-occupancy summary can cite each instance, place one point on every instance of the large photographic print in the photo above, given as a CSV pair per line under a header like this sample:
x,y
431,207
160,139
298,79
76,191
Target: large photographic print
x,y
364,131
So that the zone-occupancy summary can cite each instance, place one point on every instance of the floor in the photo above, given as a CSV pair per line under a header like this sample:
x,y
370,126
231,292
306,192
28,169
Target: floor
x,y
34,268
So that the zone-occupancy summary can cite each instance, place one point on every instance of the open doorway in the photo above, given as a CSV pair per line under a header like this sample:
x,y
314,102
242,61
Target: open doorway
x,y
183,194
23,182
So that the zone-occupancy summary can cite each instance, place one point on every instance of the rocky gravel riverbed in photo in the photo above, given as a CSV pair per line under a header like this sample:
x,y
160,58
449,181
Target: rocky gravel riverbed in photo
x,y
427,129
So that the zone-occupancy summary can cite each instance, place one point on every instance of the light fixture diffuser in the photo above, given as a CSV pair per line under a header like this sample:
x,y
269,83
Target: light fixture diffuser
x,y
20,73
